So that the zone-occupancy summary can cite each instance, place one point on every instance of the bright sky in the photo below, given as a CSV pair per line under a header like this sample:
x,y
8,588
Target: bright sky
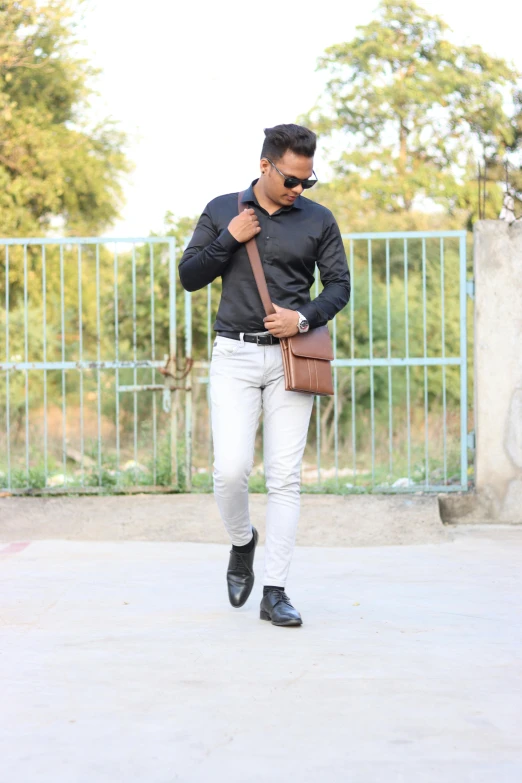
x,y
194,84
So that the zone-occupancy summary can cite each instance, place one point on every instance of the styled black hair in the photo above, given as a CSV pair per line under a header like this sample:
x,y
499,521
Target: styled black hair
x,y
281,138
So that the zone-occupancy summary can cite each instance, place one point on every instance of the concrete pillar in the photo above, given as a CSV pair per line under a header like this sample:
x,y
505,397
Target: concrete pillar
x,y
498,370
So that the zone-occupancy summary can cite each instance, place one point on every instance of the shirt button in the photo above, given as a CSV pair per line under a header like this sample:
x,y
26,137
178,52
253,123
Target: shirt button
x,y
268,237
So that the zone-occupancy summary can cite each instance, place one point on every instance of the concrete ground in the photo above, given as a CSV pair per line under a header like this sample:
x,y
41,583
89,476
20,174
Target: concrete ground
x,y
122,661
326,520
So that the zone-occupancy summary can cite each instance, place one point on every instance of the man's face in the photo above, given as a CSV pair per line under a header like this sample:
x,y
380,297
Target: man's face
x,y
291,165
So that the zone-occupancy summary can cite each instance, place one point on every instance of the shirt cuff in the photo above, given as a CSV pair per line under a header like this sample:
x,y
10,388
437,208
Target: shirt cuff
x,y
310,313
227,241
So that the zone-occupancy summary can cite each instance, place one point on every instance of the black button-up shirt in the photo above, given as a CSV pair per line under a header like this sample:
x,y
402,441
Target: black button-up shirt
x,y
291,242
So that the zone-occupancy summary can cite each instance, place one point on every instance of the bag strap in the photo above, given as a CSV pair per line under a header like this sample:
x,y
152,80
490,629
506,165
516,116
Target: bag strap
x,y
257,266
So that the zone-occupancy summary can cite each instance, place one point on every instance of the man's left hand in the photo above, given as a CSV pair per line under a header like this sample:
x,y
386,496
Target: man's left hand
x,y
283,323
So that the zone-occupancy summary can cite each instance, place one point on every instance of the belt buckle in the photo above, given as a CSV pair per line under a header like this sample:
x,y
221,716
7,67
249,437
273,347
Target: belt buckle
x,y
259,337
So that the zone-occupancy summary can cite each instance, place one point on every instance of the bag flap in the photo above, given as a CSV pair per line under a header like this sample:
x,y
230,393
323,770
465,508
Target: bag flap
x,y
315,344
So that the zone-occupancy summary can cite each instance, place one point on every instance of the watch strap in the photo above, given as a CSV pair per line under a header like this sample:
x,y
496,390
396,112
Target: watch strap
x,y
302,318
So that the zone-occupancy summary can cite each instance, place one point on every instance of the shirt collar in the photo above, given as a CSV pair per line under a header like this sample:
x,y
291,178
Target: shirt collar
x,y
249,197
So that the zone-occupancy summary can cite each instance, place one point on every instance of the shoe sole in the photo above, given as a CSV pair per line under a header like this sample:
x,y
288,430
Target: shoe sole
x,y
290,624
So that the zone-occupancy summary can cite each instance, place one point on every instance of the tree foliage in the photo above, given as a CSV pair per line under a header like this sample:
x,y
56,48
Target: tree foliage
x,y
53,165
410,106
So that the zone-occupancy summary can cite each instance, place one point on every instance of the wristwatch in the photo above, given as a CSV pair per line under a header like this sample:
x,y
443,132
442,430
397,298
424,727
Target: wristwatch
x,y
302,324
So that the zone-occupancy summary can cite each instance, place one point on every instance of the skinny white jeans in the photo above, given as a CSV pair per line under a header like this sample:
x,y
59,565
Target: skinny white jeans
x,y
246,378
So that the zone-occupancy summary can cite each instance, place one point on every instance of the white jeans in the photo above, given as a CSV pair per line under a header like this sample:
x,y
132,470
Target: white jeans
x,y
245,377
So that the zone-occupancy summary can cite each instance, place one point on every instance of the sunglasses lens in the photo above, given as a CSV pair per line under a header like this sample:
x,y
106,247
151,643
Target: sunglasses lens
x,y
293,182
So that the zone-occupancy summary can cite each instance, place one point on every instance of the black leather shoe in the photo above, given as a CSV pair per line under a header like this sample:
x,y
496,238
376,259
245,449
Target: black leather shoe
x,y
276,607
240,574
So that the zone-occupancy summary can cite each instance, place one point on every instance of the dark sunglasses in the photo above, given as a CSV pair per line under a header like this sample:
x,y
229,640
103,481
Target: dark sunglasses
x,y
293,182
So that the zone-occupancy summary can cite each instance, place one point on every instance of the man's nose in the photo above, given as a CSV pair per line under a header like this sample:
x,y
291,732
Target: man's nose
x,y
297,190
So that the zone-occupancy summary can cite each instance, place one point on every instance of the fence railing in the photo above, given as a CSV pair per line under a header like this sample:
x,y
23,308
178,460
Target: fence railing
x,y
74,344
89,323
430,352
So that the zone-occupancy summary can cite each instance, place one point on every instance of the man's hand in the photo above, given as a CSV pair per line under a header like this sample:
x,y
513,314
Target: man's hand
x,y
244,226
284,323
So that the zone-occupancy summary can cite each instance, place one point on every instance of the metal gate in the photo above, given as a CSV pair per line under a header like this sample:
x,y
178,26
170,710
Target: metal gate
x,y
398,420
106,369
89,323
427,259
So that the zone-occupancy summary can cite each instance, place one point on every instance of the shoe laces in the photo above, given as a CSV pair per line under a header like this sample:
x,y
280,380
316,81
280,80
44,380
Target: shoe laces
x,y
282,596
240,562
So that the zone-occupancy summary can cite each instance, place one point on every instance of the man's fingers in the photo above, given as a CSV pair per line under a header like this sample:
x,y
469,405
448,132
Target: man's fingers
x,y
250,217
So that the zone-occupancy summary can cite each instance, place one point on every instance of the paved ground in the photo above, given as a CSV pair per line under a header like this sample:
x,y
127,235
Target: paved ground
x,y
121,661
326,520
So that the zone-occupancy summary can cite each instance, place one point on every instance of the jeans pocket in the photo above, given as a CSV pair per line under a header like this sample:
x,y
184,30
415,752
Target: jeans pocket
x,y
225,346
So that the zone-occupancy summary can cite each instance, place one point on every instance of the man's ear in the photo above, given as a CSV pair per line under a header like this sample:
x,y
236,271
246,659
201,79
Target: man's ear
x,y
264,165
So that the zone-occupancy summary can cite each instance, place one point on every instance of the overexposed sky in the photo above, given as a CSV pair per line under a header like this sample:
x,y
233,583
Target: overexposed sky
x,y
195,83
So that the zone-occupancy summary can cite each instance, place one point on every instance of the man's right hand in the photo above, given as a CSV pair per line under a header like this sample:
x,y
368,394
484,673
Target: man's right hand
x,y
244,226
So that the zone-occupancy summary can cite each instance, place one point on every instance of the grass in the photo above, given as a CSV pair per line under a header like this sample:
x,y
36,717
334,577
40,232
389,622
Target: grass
x,y
109,479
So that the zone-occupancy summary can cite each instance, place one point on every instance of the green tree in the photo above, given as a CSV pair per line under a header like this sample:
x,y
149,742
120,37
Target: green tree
x,y
503,163
53,165
409,106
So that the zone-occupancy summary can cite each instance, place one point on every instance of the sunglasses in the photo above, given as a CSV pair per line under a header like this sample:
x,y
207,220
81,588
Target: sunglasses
x,y
293,182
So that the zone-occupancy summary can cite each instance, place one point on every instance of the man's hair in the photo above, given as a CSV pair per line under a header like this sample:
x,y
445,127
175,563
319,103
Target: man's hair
x,y
281,138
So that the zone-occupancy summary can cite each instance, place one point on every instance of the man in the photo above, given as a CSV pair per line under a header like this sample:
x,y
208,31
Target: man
x,y
293,235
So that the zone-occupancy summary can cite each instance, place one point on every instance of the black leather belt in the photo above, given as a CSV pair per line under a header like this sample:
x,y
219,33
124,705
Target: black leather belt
x,y
259,339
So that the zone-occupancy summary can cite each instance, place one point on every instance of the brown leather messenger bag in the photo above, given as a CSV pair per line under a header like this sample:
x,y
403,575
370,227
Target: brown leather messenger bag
x,y
307,357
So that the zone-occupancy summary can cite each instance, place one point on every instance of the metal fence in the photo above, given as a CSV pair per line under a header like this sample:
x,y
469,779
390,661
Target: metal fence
x,y
433,254
106,369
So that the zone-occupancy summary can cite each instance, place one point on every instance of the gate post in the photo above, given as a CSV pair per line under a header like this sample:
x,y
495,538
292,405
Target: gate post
x,y
172,353
498,369
188,392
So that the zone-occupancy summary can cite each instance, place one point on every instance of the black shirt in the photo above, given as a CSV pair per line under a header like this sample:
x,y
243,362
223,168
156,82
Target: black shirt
x,y
291,242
